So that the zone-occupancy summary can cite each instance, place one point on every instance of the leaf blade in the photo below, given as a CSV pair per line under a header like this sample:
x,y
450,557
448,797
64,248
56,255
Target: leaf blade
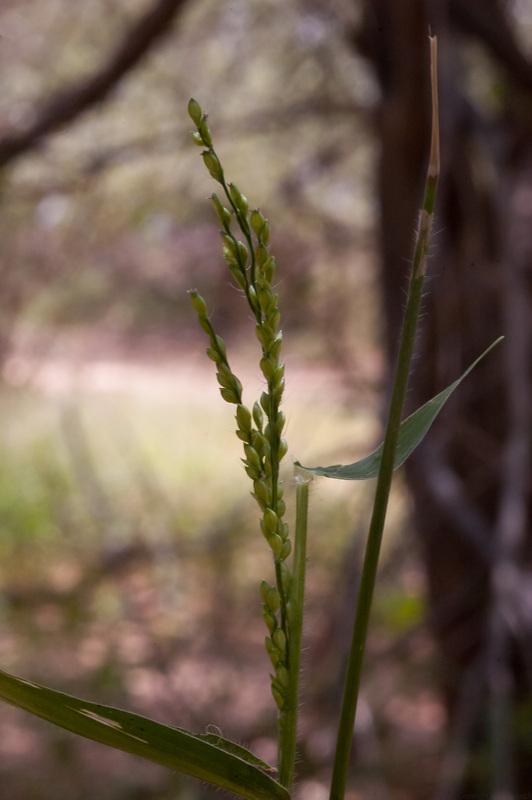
x,y
411,433
172,747
236,749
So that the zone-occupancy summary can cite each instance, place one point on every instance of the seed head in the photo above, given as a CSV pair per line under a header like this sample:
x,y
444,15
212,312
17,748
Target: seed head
x,y
276,544
263,446
283,449
286,579
242,253
194,111
272,651
258,416
213,165
204,131
269,619
252,457
199,303
220,344
279,640
274,599
281,673
260,226
223,213
264,589
267,368
270,521
229,395
262,492
278,696
243,417
240,201
286,549
238,274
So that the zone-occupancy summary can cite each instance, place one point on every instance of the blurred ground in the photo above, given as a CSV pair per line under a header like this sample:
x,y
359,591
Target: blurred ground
x,y
131,560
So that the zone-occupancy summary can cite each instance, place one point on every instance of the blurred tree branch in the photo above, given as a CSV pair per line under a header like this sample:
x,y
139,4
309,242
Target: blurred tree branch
x,y
165,141
70,102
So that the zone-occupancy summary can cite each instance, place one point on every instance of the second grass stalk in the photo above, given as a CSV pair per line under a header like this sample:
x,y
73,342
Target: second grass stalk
x,y
384,480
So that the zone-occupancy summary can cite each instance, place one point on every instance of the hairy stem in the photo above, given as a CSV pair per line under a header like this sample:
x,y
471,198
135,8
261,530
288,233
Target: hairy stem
x,y
384,480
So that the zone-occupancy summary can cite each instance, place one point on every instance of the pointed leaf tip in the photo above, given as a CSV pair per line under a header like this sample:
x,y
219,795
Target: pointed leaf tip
x,y
411,433
208,757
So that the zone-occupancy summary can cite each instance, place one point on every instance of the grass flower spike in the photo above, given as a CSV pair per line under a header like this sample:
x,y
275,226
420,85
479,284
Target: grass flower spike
x,y
253,268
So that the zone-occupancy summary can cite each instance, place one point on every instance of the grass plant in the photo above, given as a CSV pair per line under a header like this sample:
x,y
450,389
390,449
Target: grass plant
x,y
245,235
389,449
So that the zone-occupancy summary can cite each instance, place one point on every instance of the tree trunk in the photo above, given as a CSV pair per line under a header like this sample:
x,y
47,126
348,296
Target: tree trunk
x,y
471,480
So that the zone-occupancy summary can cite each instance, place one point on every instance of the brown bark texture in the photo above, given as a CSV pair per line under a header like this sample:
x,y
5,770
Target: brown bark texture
x,y
471,480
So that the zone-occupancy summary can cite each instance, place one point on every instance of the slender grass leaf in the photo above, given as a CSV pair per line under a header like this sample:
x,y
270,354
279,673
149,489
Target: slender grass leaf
x,y
412,431
237,750
209,758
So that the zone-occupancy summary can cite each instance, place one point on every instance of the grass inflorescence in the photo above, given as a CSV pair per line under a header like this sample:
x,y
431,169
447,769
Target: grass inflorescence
x,y
260,428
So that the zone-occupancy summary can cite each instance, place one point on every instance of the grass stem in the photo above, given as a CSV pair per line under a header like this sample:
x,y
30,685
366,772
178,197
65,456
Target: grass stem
x,y
384,480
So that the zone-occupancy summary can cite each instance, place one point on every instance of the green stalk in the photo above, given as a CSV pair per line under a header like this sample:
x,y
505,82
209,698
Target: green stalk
x,y
289,714
384,480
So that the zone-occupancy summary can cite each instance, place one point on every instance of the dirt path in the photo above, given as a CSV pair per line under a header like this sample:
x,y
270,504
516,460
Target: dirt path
x,y
89,362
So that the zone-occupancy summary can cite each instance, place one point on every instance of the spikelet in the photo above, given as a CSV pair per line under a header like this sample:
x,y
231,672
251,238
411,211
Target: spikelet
x,y
252,267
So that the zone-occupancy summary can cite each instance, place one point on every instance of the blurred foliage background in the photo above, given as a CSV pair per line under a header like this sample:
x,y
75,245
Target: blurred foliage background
x,y
130,555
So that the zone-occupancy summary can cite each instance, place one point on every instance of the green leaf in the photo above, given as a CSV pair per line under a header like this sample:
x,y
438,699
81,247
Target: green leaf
x,y
237,750
412,431
209,757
